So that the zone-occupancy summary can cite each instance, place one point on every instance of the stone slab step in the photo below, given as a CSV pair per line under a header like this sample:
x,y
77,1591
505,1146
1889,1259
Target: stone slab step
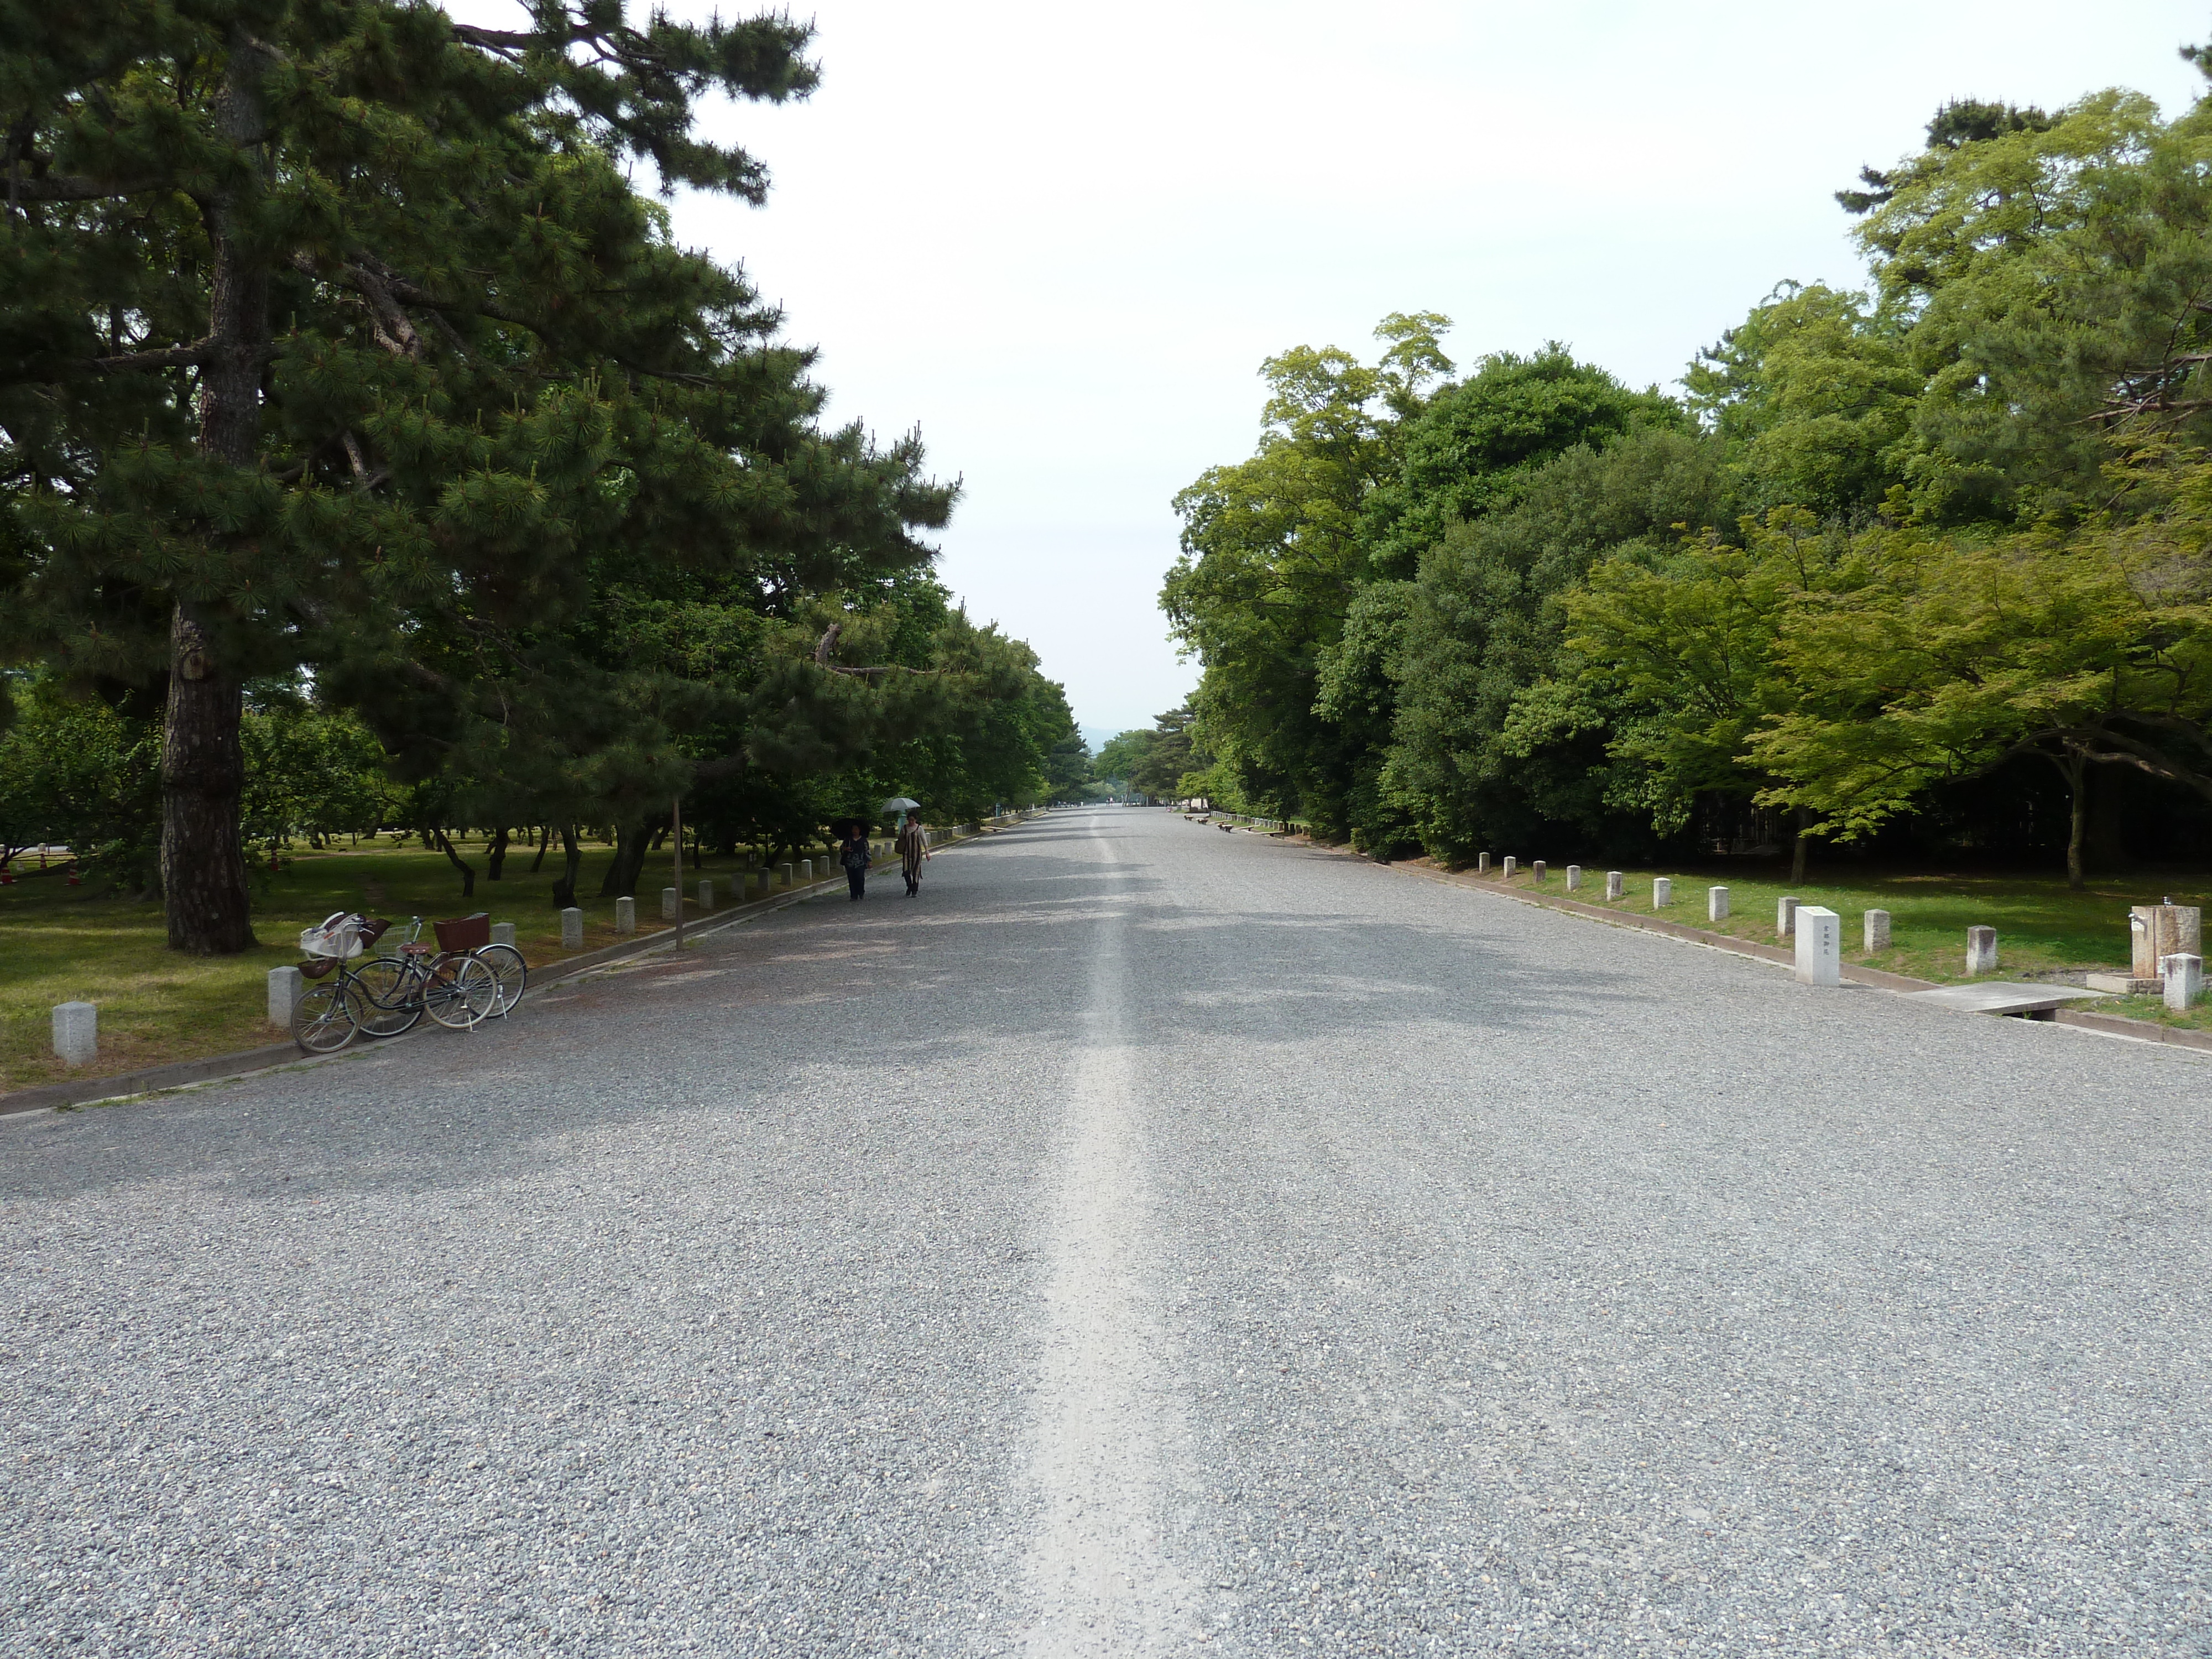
x,y
2000,996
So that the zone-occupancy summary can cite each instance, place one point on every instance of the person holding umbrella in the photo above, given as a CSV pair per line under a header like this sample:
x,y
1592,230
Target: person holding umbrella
x,y
913,842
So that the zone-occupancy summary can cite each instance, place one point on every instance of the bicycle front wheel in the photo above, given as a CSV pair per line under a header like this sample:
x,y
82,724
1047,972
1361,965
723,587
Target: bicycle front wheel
x,y
511,972
460,993
388,1005
323,1019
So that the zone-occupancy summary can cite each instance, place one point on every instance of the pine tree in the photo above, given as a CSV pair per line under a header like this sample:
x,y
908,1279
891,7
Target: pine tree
x,y
334,335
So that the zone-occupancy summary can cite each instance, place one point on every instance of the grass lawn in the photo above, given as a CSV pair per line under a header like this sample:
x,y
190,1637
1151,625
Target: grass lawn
x,y
2040,924
63,944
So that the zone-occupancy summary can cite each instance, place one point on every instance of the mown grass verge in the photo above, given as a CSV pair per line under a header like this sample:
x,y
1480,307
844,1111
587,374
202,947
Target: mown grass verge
x,y
2041,924
63,944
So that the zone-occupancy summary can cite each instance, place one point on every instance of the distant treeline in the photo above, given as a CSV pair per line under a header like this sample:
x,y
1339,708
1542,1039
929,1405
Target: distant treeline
x,y
1923,570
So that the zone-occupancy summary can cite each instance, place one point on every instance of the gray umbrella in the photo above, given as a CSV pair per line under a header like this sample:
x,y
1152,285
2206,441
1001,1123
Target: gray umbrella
x,y
900,803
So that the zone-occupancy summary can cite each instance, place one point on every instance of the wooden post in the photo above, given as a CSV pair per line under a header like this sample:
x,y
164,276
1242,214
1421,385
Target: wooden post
x,y
676,835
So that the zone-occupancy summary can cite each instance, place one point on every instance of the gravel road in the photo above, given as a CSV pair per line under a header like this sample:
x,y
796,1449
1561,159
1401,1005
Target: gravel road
x,y
1148,1241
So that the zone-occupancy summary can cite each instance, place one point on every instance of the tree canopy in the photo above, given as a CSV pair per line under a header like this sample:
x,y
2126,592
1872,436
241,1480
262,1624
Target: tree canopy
x,y
338,347
1887,547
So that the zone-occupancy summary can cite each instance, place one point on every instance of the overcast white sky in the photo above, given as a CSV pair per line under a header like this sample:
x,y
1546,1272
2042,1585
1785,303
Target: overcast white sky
x,y
1061,239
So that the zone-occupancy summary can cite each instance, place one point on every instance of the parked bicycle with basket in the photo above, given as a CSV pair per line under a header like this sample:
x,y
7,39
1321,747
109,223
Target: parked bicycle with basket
x,y
459,982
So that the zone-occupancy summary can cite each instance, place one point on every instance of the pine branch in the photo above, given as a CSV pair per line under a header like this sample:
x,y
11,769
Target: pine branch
x,y
168,357
392,328
407,294
828,643
70,188
507,42
362,476
36,373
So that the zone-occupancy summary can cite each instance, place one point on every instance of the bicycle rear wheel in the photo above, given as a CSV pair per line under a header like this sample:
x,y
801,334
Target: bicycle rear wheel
x,y
511,972
388,1005
460,992
323,1019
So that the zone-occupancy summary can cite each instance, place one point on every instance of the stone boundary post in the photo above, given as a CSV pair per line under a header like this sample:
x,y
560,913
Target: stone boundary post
x,y
1819,934
76,1032
286,986
1717,904
2183,978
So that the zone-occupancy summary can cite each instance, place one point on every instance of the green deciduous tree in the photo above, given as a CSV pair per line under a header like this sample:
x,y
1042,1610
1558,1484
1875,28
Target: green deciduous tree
x,y
1294,589
1815,400
1493,739
310,771
1952,654
1685,650
1120,757
76,771
1472,449
1273,549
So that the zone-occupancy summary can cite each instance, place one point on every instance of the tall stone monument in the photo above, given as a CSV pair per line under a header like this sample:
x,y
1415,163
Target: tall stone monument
x,y
2157,930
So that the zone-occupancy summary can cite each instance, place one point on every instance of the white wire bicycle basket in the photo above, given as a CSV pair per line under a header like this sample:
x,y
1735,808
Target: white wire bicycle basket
x,y
338,936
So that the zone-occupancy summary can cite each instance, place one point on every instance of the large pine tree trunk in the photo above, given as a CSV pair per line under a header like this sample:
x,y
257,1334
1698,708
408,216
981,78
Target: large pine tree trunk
x,y
632,842
564,890
202,770
203,773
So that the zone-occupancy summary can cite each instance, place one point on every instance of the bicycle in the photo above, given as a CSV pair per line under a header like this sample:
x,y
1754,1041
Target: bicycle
x,y
472,935
402,995
387,995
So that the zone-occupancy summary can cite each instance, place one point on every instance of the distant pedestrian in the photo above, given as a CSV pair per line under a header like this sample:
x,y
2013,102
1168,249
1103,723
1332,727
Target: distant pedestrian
x,y
914,852
854,856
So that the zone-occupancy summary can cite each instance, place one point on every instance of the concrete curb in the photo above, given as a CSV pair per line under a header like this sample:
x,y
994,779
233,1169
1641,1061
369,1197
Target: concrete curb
x,y
1728,942
152,1080
2119,1025
2141,1030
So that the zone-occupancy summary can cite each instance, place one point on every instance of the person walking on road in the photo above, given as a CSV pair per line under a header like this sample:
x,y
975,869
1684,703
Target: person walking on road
x,y
854,856
913,851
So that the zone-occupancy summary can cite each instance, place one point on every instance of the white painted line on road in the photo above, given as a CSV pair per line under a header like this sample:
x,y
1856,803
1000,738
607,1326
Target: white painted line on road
x,y
1099,1572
